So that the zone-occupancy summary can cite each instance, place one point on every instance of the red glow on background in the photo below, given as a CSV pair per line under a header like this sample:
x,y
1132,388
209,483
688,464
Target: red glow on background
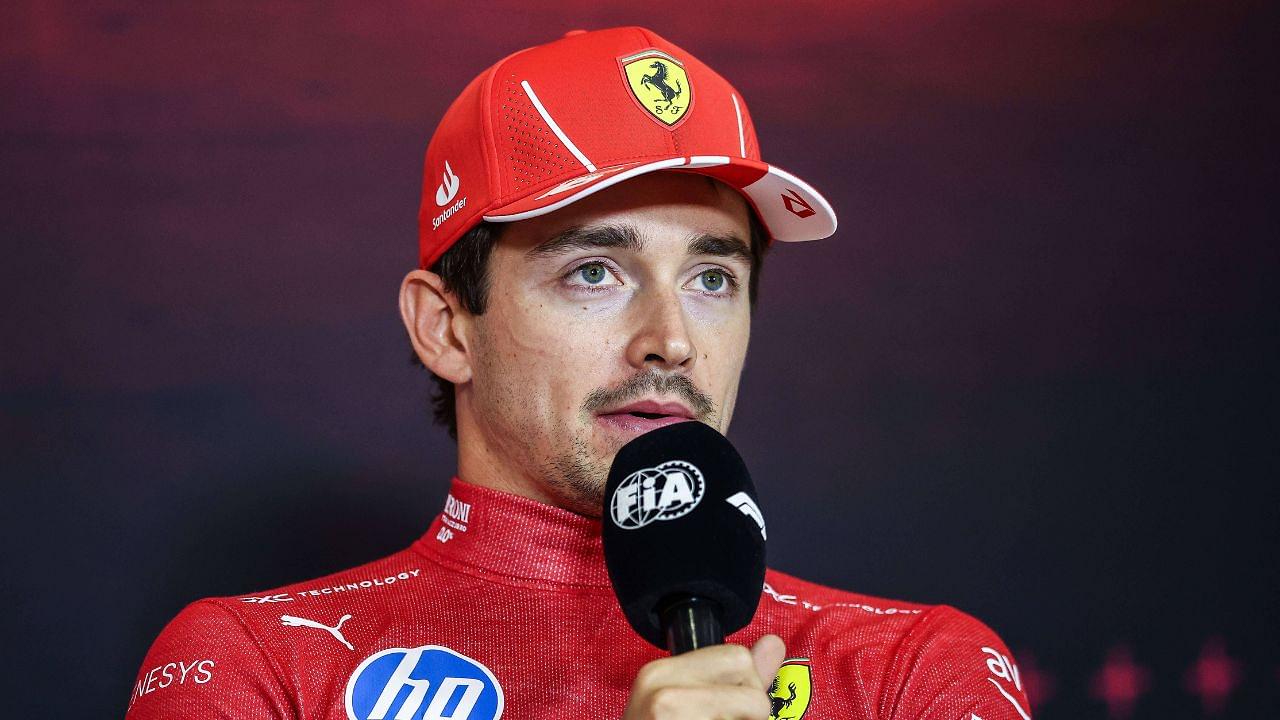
x,y
1120,683
1214,676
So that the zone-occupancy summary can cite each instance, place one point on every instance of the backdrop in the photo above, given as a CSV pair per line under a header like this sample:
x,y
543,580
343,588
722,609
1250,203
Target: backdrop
x,y
1033,375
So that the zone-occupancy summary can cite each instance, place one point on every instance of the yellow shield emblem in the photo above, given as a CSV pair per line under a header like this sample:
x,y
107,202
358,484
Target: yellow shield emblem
x,y
659,84
791,690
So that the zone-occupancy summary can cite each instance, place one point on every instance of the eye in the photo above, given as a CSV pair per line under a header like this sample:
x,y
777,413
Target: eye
x,y
716,281
593,274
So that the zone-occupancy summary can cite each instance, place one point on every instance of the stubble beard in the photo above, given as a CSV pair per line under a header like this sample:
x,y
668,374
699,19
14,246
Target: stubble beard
x,y
577,479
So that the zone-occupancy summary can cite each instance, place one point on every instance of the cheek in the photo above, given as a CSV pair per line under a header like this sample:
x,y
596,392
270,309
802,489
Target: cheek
x,y
543,358
722,350
721,336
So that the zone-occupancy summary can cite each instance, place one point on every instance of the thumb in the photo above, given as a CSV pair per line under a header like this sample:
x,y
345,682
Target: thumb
x,y
768,653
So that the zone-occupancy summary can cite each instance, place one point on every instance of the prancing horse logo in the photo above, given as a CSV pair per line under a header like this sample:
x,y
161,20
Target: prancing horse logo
x,y
791,703
659,84
659,80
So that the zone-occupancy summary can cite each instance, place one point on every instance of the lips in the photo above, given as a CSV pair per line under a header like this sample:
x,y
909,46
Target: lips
x,y
640,417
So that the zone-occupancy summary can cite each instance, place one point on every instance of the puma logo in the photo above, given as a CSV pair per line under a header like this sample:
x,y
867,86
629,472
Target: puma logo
x,y
335,631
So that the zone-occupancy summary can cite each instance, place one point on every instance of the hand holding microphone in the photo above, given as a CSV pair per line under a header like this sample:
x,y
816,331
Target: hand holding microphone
x,y
720,681
684,543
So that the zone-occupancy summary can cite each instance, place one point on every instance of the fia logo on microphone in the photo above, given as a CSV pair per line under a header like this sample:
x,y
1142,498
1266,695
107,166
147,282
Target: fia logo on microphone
x,y
665,492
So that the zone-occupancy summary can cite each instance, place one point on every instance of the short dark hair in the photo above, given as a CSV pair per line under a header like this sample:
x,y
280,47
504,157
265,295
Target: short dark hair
x,y
464,271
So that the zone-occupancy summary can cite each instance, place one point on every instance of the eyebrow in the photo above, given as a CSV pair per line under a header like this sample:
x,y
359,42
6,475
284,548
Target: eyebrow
x,y
622,237
625,237
730,246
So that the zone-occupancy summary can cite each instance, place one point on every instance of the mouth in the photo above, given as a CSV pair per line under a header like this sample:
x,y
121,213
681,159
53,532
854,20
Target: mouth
x,y
638,418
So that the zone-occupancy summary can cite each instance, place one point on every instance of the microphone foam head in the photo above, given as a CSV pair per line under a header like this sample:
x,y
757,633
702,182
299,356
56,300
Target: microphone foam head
x,y
680,519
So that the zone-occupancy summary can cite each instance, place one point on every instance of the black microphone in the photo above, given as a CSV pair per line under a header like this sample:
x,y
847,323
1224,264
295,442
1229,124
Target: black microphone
x,y
683,537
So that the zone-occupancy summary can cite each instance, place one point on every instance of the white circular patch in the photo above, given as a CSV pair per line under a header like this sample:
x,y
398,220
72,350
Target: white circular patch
x,y
430,681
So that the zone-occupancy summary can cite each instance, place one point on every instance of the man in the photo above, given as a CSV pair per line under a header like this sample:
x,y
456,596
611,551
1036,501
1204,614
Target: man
x,y
594,218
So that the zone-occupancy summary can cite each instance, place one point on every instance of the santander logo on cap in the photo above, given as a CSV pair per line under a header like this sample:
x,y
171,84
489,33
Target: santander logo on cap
x,y
448,186
445,192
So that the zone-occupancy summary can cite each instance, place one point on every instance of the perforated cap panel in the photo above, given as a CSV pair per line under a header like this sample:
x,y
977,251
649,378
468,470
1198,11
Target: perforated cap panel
x,y
527,147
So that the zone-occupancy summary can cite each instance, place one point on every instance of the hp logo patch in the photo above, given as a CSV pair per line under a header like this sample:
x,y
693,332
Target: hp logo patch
x,y
425,683
665,492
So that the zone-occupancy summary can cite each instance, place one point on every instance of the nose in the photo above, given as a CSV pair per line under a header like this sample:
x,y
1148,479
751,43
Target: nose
x,y
662,340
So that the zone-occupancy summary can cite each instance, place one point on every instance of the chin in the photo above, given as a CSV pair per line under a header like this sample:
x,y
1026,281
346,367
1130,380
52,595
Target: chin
x,y
587,502
576,480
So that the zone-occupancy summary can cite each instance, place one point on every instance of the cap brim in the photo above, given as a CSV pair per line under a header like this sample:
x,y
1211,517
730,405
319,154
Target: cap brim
x,y
791,210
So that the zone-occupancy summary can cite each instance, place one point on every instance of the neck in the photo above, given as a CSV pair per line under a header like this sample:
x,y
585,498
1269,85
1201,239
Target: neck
x,y
514,537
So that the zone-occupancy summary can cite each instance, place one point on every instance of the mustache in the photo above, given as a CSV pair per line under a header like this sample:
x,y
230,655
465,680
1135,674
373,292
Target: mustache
x,y
655,382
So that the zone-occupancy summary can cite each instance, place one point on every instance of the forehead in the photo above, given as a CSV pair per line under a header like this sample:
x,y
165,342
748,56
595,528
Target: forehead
x,y
670,206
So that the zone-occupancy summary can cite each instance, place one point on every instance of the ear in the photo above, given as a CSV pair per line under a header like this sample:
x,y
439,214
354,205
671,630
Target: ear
x,y
431,316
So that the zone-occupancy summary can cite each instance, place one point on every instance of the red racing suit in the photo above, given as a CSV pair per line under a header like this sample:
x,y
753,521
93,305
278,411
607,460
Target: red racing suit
x,y
504,607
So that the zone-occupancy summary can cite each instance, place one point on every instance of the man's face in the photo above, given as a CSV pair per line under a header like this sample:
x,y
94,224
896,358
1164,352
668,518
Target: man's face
x,y
618,314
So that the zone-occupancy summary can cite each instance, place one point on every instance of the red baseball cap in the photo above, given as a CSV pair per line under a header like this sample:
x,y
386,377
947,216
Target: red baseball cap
x,y
552,124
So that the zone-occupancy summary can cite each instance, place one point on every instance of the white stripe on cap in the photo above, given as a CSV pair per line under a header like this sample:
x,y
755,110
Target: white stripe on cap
x,y
556,128
742,139
608,181
701,161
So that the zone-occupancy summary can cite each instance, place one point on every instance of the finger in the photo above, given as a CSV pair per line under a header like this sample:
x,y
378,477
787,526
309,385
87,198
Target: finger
x,y
701,703
716,665
767,654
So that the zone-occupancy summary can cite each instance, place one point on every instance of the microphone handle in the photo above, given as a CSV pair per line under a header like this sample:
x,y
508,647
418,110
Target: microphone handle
x,y
690,622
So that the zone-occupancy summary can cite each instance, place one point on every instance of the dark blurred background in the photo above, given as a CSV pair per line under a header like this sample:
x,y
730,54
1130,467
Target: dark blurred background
x,y
1033,375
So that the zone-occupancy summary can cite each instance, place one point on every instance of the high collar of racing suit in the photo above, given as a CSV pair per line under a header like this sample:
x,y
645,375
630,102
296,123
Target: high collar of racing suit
x,y
501,536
